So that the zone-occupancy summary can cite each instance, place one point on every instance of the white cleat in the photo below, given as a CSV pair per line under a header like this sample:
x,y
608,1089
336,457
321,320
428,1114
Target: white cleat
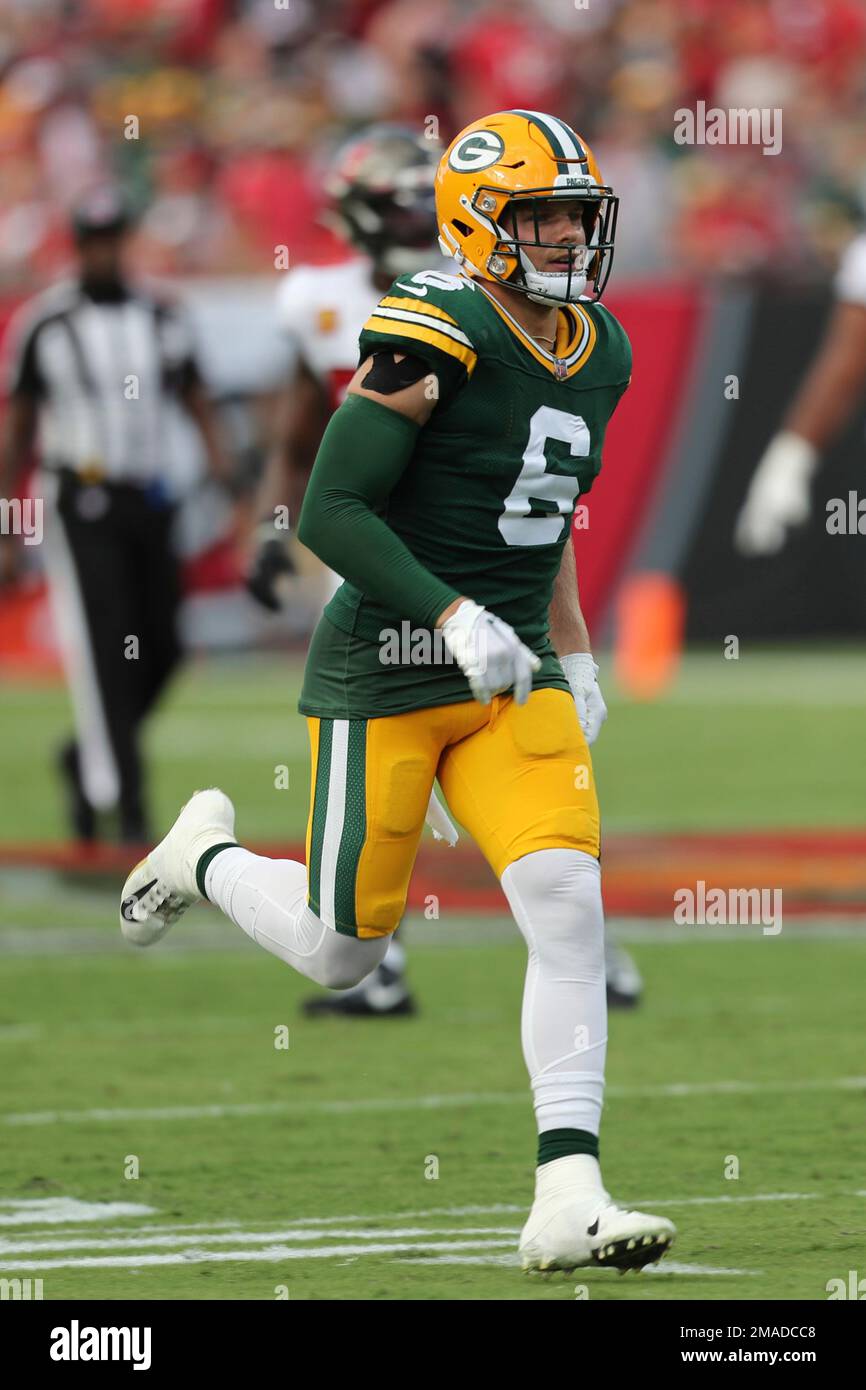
x,y
163,885
571,1227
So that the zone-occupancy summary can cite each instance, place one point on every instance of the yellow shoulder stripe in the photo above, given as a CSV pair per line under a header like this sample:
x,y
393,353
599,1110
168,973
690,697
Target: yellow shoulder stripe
x,y
420,306
397,328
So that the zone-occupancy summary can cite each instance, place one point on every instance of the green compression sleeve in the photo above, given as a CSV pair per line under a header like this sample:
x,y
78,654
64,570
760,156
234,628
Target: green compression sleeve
x,y
363,454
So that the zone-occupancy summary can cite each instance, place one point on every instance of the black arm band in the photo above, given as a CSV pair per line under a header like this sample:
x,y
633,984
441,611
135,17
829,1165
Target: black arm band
x,y
387,375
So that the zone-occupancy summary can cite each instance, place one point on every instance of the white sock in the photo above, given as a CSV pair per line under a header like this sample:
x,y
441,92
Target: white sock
x,y
267,898
555,895
575,1174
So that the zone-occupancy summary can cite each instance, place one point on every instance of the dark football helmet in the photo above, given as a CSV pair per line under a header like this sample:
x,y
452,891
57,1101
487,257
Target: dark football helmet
x,y
382,201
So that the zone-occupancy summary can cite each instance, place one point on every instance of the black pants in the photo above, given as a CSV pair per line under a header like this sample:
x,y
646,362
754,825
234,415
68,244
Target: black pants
x,y
116,544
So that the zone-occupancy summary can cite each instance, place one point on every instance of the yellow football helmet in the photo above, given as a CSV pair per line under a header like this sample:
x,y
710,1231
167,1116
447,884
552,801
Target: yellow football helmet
x,y
531,157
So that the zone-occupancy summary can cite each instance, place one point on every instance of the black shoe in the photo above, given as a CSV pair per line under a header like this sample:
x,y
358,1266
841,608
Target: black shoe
x,y
82,815
383,994
134,830
624,983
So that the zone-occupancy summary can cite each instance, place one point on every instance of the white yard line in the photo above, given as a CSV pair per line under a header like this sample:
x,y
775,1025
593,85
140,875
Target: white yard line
x,y
443,1252
454,928
736,1088
324,1227
71,942
306,1238
269,1255
143,1240
505,1261
224,1111
59,1210
670,1090
659,931
155,1235
720,1201
673,1267
513,1261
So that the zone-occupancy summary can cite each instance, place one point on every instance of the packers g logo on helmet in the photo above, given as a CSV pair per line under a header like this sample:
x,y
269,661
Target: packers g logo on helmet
x,y
532,158
477,150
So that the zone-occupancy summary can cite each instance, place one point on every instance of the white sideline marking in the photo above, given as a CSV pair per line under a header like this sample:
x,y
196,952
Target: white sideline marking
x,y
71,942
713,1201
432,1102
269,1255
154,1226
737,1088
51,1210
19,940
512,1261
445,1252
277,1107
672,1267
669,1266
656,931
192,1243
320,1227
143,1240
301,1222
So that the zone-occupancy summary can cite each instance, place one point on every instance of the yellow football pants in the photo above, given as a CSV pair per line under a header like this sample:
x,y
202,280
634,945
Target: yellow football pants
x,y
518,777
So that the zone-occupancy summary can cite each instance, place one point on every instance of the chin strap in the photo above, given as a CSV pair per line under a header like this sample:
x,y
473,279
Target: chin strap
x,y
536,282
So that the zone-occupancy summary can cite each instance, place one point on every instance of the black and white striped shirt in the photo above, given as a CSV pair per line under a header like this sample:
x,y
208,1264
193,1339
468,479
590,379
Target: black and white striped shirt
x,y
101,367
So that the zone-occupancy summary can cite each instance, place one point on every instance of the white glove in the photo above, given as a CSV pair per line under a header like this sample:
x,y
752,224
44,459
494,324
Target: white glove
x,y
440,822
581,673
489,653
778,495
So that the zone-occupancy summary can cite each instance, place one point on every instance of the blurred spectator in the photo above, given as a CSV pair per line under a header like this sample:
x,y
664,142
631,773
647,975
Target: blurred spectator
x,y
237,104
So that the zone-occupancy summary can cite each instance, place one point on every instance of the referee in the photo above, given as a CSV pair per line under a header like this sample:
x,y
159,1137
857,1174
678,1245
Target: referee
x,y
95,364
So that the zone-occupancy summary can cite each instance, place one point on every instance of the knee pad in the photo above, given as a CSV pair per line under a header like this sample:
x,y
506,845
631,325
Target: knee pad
x,y
555,895
340,962
342,969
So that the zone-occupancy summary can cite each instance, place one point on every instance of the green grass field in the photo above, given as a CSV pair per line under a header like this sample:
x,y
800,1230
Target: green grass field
x,y
394,1159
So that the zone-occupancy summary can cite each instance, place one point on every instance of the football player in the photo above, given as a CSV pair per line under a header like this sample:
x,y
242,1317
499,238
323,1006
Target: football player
x,y
443,490
778,498
381,195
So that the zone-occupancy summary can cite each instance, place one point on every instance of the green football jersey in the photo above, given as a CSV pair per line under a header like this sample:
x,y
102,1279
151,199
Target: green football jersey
x,y
487,499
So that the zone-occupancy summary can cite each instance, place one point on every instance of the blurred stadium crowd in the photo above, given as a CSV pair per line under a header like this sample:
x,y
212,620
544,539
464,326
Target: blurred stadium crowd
x,y
240,103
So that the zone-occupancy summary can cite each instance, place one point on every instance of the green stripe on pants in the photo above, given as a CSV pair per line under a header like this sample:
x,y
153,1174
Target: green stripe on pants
x,y
320,811
354,828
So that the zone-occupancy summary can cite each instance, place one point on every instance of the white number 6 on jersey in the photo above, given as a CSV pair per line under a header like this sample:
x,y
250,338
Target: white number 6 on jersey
x,y
439,280
534,482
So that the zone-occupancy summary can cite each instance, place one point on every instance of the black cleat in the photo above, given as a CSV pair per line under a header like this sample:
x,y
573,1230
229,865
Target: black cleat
x,y
82,815
634,1253
624,983
383,994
